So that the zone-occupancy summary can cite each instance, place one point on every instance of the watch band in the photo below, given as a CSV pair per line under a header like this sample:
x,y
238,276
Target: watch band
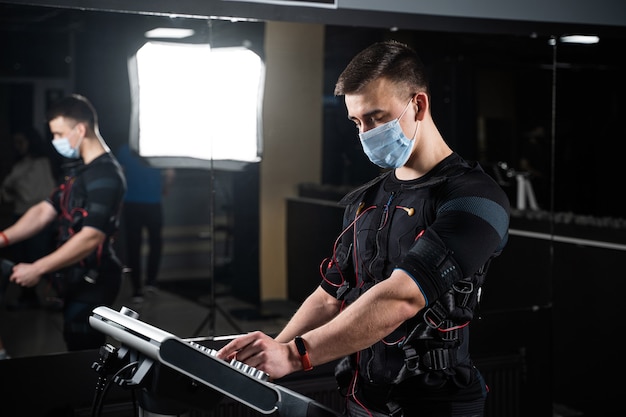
x,y
304,355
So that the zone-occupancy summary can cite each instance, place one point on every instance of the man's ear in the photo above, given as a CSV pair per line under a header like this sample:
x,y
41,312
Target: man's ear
x,y
82,128
421,101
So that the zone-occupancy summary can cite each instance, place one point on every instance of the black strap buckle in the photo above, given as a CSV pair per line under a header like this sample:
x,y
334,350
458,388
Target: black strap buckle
x,y
341,292
411,358
435,315
437,359
394,409
449,333
463,287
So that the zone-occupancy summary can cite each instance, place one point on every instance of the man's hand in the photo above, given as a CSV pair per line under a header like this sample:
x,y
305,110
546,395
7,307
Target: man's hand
x,y
26,275
264,353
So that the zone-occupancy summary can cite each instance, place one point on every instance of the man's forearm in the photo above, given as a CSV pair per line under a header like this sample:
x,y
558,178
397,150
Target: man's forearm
x,y
74,250
376,314
31,222
319,308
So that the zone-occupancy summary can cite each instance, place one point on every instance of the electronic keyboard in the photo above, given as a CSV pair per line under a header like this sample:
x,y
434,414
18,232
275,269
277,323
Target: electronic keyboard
x,y
234,379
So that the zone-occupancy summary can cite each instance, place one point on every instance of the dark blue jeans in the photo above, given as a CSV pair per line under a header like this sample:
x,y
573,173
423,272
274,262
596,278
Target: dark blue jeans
x,y
137,217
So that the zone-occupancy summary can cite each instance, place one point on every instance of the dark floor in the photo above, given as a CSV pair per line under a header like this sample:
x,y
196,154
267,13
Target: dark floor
x,y
180,306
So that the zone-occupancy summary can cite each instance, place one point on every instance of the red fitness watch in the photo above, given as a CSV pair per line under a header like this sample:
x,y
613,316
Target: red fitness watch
x,y
304,355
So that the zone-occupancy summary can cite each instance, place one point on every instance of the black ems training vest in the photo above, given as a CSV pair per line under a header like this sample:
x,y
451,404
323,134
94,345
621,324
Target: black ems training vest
x,y
436,339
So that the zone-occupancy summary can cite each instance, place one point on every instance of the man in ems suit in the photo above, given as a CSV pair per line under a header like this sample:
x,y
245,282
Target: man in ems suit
x,y
87,207
399,290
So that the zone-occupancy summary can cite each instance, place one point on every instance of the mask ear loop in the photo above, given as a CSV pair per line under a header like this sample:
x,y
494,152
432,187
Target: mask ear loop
x,y
77,147
78,144
417,121
406,107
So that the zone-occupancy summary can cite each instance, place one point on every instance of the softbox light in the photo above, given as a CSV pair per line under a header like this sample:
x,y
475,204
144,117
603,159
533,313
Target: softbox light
x,y
194,106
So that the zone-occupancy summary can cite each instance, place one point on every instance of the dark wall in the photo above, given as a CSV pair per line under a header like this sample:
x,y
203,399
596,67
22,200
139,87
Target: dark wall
x,y
101,74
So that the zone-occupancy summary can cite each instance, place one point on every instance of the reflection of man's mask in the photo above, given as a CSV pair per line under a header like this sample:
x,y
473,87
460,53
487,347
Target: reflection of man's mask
x,y
63,147
386,145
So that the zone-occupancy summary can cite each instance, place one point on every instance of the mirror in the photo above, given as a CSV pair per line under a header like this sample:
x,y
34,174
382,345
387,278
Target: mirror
x,y
51,52
543,116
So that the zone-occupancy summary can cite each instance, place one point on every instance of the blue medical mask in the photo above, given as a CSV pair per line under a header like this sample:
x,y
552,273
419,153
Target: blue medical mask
x,y
386,145
63,147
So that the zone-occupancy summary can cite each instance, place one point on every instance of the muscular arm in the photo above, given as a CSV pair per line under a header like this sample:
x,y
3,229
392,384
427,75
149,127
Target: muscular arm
x,y
370,318
76,248
31,222
319,308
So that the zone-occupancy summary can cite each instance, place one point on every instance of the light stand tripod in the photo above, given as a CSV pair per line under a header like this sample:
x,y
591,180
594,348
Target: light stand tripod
x,y
210,318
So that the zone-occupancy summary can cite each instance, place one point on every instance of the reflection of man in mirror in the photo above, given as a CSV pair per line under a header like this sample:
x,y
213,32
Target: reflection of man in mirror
x,y
535,160
87,207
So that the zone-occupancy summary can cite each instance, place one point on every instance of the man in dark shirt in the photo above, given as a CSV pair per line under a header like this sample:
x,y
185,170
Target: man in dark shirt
x,y
87,207
400,287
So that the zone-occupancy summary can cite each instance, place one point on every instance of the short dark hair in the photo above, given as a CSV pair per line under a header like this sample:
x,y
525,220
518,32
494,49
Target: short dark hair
x,y
392,60
75,107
